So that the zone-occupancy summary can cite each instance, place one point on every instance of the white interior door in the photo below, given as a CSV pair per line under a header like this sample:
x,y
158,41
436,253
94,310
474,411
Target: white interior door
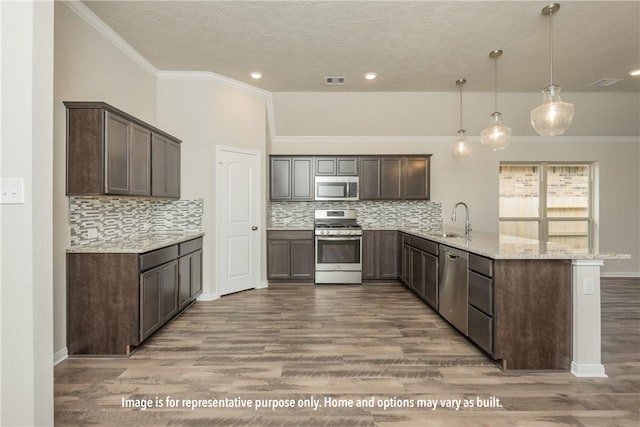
x,y
238,219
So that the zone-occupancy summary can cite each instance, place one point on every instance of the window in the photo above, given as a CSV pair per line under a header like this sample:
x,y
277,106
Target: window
x,y
551,202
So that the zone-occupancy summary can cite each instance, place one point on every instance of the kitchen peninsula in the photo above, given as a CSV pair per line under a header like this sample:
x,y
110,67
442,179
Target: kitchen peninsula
x,y
532,304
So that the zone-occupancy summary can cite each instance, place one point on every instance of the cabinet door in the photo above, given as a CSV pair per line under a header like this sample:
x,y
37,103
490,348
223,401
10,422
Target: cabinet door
x,y
406,265
325,165
172,169
196,273
150,313
140,161
391,178
184,281
369,255
431,280
370,178
280,179
302,178
117,140
169,290
387,250
302,259
416,178
278,261
158,161
165,167
347,166
417,271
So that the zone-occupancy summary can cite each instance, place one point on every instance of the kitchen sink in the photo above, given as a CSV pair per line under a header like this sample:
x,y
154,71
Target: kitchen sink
x,y
448,235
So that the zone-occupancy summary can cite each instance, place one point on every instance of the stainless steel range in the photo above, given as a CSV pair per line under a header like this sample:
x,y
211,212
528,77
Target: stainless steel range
x,y
338,247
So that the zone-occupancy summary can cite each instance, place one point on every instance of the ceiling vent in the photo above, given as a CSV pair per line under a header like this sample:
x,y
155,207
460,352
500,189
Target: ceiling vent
x,y
605,82
334,81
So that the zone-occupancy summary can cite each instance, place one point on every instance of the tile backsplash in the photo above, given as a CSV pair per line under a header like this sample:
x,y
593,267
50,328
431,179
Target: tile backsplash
x,y
371,214
106,219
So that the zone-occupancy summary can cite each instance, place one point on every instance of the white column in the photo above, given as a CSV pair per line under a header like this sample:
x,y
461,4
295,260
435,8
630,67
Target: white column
x,y
26,228
586,319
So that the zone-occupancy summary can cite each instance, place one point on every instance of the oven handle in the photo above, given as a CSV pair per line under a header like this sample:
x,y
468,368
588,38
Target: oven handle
x,y
338,238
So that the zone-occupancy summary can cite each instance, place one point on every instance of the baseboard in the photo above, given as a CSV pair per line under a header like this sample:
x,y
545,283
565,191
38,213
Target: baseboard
x,y
210,296
621,274
263,285
588,370
60,356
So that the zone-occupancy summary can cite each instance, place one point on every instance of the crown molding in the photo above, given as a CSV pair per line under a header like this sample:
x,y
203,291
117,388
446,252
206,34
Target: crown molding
x,y
80,9
211,76
451,138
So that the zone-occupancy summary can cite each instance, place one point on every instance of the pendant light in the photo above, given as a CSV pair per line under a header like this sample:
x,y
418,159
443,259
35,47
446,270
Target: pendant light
x,y
554,116
496,135
461,149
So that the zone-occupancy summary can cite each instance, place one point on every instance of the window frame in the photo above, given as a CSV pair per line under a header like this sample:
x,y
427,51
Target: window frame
x,y
543,219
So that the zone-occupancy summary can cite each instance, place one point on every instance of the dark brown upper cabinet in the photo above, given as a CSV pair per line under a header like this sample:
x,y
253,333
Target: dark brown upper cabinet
x,y
347,166
165,167
394,178
291,178
110,152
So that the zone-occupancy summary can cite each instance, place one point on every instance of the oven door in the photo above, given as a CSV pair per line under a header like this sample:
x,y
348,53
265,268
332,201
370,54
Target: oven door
x,y
338,253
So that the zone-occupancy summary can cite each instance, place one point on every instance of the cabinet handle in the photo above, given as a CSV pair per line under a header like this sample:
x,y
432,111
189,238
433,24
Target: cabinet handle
x,y
254,228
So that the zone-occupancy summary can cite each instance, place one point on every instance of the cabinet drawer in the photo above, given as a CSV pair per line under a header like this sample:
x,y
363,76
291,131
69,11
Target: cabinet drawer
x,y
424,245
289,235
190,246
481,329
481,264
157,257
481,292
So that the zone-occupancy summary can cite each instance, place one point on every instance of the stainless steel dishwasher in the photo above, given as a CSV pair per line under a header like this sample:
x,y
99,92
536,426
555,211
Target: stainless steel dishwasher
x,y
453,287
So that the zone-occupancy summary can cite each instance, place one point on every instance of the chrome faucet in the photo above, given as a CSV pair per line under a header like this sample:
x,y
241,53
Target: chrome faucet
x,y
467,224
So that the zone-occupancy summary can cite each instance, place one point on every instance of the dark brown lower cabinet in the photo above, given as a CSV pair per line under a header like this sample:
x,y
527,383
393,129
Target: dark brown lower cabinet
x,y
519,311
380,255
158,297
117,300
290,255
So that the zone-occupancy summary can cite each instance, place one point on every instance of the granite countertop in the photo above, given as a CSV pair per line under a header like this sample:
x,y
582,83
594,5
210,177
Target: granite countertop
x,y
498,246
137,243
290,228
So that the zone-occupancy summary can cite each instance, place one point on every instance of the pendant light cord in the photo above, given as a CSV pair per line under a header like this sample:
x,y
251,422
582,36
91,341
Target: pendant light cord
x,y
551,48
461,107
495,84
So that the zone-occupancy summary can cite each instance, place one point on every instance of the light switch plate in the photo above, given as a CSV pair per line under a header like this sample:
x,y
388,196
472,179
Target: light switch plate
x,y
11,191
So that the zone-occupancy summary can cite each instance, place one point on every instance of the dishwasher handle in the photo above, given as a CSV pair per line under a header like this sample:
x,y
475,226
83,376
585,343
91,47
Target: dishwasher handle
x,y
451,255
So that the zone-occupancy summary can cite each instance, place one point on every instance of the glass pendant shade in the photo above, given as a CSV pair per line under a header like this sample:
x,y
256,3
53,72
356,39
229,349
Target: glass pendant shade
x,y
461,149
496,136
554,116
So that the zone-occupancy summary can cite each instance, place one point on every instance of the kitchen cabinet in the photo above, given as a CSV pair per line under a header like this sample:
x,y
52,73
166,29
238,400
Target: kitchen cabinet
x,y
336,166
420,268
518,310
158,297
379,255
165,167
189,272
109,152
394,178
117,300
290,255
291,178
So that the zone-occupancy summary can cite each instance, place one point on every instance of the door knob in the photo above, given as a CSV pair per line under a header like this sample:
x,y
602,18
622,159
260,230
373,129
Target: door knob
x,y
254,228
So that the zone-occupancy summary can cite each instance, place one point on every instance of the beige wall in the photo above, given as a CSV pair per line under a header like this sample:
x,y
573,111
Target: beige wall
x,y
437,113
87,67
476,180
205,113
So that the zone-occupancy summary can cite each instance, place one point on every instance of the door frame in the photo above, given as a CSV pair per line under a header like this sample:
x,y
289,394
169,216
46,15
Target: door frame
x,y
218,240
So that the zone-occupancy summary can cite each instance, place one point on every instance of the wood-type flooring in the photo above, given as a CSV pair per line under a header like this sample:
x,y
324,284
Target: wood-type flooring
x,y
369,346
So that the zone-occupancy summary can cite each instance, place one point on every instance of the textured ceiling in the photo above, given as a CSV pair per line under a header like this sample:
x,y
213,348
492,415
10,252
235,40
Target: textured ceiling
x,y
412,45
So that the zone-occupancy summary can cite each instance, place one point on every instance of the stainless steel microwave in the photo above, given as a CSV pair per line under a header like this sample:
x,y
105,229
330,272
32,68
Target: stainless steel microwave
x,y
337,188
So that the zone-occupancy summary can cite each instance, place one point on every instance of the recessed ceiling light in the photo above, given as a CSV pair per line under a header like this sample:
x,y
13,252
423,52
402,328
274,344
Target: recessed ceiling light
x,y
256,75
370,75
635,72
